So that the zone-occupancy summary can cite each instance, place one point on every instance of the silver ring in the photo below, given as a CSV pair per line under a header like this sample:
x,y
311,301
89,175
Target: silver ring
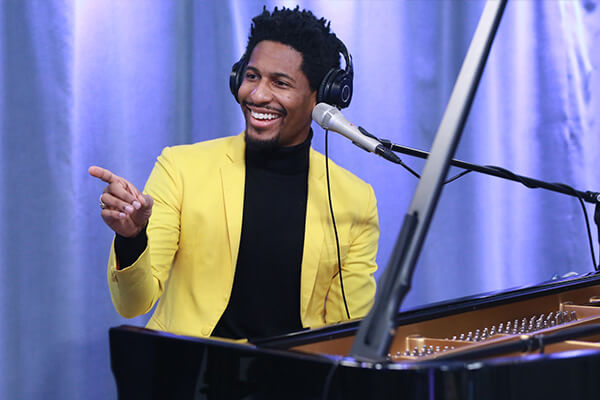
x,y
102,205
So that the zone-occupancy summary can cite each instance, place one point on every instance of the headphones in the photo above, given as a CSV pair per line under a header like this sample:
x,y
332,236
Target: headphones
x,y
335,88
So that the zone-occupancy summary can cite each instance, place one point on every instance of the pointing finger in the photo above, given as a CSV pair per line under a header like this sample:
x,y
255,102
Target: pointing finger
x,y
102,173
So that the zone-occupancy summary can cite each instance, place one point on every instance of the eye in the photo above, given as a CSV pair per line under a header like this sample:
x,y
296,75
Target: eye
x,y
250,76
281,83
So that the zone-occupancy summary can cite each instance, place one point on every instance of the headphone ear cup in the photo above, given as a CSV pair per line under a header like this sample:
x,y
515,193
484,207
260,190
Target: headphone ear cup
x,y
324,87
237,77
341,90
336,88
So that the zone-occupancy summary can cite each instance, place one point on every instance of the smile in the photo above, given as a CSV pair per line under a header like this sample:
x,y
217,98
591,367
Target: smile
x,y
263,116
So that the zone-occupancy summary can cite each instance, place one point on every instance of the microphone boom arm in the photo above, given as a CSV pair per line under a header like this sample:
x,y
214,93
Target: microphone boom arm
x,y
587,196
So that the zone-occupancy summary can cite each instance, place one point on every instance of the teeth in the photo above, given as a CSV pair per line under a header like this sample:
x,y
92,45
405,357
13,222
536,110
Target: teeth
x,y
263,116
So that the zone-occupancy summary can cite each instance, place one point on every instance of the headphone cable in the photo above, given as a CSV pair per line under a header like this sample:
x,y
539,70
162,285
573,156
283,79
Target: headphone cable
x,y
337,241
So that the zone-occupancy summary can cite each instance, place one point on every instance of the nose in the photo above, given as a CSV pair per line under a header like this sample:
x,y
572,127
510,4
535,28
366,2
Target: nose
x,y
261,93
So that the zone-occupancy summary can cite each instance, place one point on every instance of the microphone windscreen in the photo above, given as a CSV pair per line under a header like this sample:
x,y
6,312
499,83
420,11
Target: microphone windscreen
x,y
322,114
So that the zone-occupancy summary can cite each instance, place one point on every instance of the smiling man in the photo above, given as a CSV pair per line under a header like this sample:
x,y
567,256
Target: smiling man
x,y
234,235
276,97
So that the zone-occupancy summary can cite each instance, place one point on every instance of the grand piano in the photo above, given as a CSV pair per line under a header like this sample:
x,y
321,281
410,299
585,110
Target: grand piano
x,y
524,343
528,343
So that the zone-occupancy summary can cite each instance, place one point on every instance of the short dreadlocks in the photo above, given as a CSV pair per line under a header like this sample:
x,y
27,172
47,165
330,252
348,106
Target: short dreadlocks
x,y
301,30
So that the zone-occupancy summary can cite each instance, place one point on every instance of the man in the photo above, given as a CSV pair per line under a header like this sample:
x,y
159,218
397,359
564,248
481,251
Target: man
x,y
235,234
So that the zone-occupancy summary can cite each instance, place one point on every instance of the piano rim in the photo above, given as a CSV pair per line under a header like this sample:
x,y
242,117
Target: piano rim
x,y
336,361
433,310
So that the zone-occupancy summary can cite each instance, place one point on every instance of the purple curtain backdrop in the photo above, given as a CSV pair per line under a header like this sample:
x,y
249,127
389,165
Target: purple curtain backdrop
x,y
113,82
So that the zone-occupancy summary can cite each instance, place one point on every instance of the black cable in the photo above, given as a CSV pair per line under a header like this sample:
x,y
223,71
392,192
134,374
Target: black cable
x,y
597,221
388,144
566,188
458,176
409,169
329,380
406,167
337,240
587,224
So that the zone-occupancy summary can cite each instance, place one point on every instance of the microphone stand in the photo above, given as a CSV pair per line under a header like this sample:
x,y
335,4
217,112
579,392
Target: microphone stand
x,y
587,196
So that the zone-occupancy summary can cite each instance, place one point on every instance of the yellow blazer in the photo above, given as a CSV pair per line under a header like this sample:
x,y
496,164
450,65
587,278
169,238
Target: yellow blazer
x,y
194,236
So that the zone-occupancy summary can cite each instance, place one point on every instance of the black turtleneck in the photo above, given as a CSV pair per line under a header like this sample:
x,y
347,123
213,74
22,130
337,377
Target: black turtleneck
x,y
265,299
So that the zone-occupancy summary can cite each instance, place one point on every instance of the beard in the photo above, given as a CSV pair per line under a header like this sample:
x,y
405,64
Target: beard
x,y
257,143
261,144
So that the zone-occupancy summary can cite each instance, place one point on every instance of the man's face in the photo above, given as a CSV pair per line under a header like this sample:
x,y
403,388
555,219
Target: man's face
x,y
275,96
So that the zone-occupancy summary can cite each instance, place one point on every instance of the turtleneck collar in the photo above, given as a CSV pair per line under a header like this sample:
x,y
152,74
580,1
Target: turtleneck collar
x,y
281,160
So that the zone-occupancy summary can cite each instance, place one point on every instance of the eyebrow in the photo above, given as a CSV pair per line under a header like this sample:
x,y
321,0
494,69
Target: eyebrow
x,y
274,74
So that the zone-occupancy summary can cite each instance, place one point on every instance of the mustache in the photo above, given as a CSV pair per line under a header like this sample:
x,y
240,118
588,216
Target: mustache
x,y
278,110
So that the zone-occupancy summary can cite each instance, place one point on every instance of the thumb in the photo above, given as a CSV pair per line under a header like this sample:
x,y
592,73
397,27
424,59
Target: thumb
x,y
141,215
147,202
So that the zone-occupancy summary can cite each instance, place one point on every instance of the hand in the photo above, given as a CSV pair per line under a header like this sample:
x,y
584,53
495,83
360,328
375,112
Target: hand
x,y
126,209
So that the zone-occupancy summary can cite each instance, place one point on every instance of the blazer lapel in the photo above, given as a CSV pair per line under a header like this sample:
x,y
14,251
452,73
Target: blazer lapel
x,y
313,233
233,181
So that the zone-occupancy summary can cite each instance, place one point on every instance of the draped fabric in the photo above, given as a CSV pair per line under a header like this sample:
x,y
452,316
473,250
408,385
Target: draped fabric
x,y
113,82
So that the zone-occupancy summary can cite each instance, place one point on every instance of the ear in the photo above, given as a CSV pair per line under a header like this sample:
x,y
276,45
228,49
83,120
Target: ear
x,y
313,98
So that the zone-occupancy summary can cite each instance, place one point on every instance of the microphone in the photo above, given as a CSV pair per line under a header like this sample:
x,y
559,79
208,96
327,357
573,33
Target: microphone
x,y
330,118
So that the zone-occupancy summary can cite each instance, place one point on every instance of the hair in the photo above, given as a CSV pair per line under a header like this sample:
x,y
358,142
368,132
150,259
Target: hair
x,y
301,30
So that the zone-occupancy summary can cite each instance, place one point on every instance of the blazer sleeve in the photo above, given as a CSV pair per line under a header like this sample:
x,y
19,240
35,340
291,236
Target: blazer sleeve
x,y
135,289
358,267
